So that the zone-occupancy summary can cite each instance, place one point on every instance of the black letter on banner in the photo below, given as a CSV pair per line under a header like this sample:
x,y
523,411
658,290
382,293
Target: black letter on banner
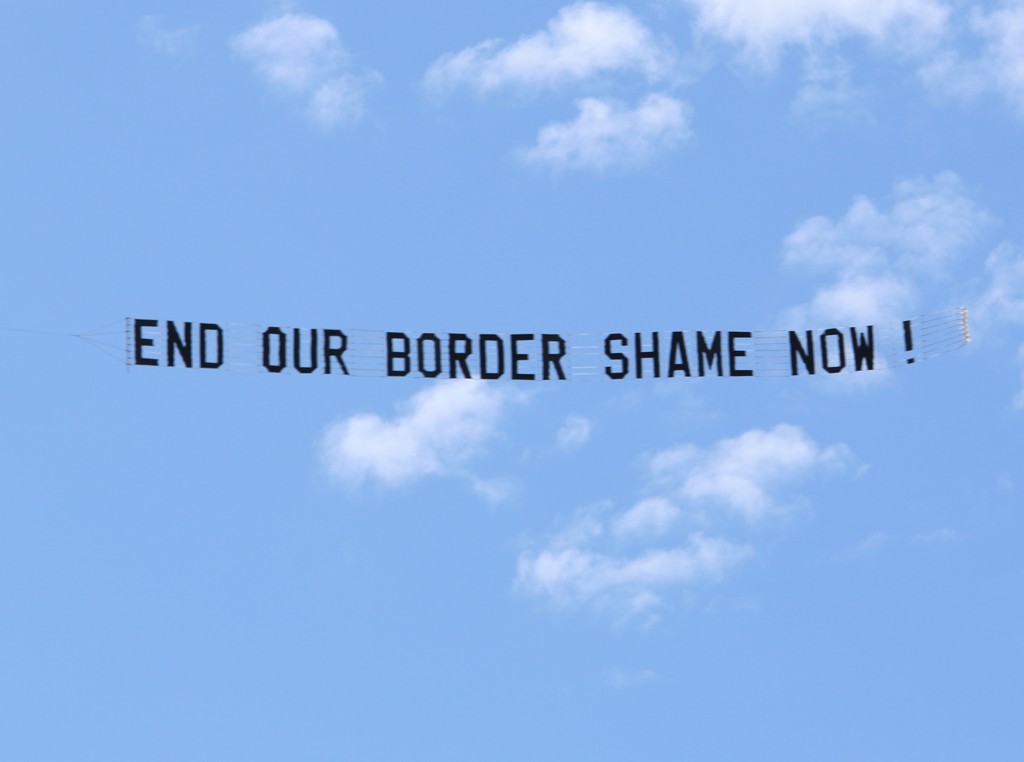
x,y
641,355
734,353
296,350
485,372
517,356
711,354
282,342
806,352
175,342
335,352
458,357
141,342
677,358
205,328
432,338
552,358
863,348
403,354
824,350
621,373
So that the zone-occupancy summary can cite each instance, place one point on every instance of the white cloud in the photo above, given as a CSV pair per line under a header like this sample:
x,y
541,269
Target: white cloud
x,y
337,101
605,134
583,40
577,575
929,222
1003,30
999,68
651,517
933,35
1003,299
439,429
741,473
157,34
878,258
295,51
627,561
574,433
763,28
301,55
859,300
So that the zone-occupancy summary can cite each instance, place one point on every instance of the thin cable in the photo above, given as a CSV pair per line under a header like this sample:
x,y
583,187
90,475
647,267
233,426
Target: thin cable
x,y
34,330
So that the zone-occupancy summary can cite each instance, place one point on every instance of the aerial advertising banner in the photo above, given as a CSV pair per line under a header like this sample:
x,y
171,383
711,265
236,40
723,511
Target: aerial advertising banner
x,y
615,355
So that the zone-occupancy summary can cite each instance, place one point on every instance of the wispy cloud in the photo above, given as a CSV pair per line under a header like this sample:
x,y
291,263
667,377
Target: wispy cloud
x,y
608,134
435,432
1002,301
878,263
962,50
742,474
762,29
155,32
493,490
878,259
877,542
651,517
1003,32
582,41
574,432
937,538
827,89
871,545
301,55
628,561
574,575
998,67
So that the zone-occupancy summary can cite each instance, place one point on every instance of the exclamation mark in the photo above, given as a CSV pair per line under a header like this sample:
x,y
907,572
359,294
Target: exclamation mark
x,y
908,340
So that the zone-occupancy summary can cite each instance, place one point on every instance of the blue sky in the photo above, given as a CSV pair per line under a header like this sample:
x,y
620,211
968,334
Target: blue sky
x,y
219,565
